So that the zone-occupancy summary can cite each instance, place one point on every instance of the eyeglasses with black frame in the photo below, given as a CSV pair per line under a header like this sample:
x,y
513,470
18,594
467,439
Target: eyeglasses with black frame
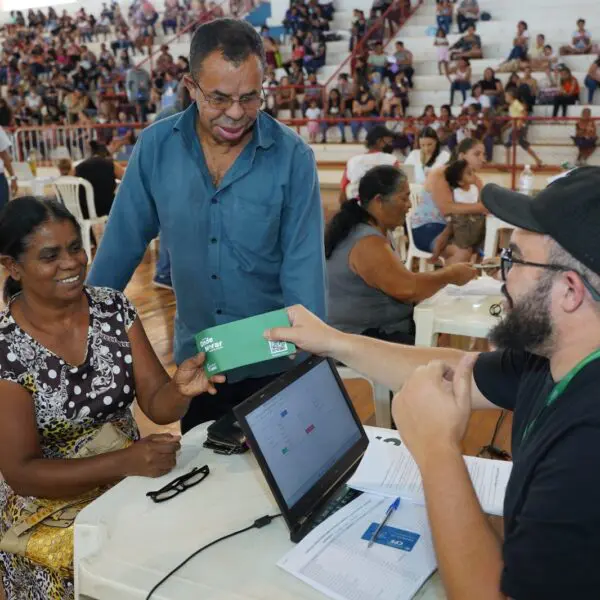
x,y
507,260
180,484
248,102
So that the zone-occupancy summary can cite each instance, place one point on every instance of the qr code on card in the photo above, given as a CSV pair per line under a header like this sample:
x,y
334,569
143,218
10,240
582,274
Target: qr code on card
x,y
278,348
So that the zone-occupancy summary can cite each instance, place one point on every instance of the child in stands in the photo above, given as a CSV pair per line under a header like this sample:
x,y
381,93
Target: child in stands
x,y
313,112
465,231
585,137
443,51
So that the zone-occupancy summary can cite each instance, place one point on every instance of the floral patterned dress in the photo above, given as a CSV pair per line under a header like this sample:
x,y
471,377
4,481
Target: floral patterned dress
x,y
71,404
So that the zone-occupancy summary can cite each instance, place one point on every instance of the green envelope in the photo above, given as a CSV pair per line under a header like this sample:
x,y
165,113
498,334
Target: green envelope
x,y
242,343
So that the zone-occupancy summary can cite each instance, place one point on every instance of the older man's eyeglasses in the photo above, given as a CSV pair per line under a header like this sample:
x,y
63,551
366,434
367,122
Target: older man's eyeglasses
x,y
180,484
248,102
508,260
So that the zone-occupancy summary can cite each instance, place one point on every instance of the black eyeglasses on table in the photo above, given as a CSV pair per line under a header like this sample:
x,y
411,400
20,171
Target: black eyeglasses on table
x,y
507,260
180,484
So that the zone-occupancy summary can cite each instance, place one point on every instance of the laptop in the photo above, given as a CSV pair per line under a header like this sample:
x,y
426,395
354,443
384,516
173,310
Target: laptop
x,y
307,439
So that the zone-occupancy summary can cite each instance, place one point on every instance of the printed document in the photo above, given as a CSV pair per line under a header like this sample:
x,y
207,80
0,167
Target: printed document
x,y
334,557
391,471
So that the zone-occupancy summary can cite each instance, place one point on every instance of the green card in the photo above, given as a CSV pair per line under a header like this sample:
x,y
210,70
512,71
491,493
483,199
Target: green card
x,y
242,342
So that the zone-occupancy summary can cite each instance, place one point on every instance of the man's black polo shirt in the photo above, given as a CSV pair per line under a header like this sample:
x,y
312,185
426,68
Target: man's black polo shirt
x,y
552,505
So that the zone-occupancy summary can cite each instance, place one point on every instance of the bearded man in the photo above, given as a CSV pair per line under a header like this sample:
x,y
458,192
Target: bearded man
x,y
546,370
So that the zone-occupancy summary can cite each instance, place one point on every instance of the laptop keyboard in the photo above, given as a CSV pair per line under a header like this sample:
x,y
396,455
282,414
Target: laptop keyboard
x,y
335,504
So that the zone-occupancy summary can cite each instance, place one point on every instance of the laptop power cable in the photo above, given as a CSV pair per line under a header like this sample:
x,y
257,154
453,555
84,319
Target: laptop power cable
x,y
258,524
491,450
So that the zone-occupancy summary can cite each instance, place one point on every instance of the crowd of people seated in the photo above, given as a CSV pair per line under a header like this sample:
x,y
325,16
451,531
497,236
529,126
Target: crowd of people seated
x,y
377,86
53,78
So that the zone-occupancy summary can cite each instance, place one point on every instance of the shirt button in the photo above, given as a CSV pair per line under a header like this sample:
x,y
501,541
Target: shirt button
x,y
214,200
213,240
214,277
219,311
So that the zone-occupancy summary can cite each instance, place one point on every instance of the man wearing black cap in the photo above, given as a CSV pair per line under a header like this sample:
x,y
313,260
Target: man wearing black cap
x,y
379,152
546,370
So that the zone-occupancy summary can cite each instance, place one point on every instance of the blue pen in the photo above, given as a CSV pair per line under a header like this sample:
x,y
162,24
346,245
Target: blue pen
x,y
393,506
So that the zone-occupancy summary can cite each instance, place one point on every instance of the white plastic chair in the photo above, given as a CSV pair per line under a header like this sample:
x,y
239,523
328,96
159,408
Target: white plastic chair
x,y
416,193
414,252
400,242
67,190
493,226
381,396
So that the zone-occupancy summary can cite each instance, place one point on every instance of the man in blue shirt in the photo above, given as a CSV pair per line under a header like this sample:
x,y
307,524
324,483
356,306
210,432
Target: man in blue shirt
x,y
235,195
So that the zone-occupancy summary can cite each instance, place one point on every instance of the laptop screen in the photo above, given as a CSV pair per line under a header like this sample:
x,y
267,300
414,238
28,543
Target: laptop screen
x,y
303,430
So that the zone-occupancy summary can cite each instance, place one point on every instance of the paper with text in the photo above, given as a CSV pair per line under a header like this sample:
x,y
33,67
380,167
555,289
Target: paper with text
x,y
391,471
334,559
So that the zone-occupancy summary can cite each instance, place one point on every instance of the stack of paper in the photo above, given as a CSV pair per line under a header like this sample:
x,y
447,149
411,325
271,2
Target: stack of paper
x,y
391,471
483,286
334,557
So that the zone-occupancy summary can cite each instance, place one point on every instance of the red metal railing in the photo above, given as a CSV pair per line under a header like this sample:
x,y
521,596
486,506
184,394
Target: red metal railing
x,y
46,140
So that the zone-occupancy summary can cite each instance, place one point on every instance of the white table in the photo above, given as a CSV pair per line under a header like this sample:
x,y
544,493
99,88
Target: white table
x,y
125,543
469,316
37,185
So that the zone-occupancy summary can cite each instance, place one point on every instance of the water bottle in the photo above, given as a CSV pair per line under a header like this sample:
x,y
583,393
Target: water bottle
x,y
32,160
526,181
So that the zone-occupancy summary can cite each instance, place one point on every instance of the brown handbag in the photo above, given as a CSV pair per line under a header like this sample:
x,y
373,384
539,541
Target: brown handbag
x,y
45,532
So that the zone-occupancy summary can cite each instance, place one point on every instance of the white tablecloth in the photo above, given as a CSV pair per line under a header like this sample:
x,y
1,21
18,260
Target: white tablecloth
x,y
125,543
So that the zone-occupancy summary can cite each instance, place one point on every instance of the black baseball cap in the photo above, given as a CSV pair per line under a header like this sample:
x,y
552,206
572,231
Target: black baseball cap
x,y
376,133
568,211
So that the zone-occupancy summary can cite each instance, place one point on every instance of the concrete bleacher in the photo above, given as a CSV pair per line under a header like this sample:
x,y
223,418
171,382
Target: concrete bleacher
x,y
554,18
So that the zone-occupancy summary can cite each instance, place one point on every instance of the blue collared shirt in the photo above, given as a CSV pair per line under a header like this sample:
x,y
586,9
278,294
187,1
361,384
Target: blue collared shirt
x,y
252,245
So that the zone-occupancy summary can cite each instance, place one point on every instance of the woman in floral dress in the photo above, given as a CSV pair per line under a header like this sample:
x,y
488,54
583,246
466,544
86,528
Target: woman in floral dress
x,y
72,358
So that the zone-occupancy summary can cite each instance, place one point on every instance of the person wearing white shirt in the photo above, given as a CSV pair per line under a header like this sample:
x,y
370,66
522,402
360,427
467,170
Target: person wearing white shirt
x,y
380,151
581,40
429,155
6,167
34,101
478,97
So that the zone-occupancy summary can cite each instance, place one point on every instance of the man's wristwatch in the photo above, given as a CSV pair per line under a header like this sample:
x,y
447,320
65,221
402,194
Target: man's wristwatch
x,y
12,178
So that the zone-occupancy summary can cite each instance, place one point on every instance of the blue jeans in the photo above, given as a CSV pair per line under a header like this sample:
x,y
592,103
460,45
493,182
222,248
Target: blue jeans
x,y
462,86
488,144
4,191
356,126
591,85
518,52
163,263
444,22
464,22
424,236
326,126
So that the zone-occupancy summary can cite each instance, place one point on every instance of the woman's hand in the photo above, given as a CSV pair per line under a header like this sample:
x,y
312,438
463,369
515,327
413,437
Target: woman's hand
x,y
152,456
190,378
461,273
307,332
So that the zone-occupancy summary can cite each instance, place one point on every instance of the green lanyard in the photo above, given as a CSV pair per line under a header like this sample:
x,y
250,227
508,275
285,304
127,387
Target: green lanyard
x,y
559,389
